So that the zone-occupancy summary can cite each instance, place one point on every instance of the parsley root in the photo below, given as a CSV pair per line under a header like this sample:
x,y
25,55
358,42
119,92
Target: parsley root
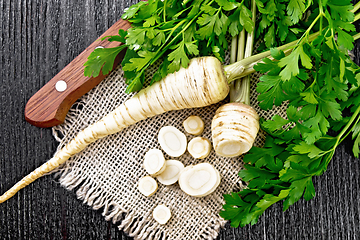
x,y
204,82
201,84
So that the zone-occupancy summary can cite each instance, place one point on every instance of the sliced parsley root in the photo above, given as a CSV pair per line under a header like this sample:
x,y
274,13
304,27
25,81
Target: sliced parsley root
x,y
320,84
236,124
201,84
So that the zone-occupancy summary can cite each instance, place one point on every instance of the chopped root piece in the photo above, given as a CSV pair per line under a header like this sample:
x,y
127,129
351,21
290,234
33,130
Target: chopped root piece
x,y
147,186
199,180
194,125
172,141
234,129
154,162
199,147
162,214
171,173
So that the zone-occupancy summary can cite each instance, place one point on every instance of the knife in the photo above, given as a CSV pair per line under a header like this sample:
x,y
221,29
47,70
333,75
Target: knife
x,y
48,107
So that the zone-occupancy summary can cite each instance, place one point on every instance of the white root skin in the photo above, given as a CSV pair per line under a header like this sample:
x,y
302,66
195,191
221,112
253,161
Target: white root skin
x,y
194,125
199,180
201,84
154,162
199,147
234,129
147,186
172,141
172,172
162,214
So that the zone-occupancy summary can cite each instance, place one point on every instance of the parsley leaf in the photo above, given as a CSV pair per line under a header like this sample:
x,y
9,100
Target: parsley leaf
x,y
296,9
101,58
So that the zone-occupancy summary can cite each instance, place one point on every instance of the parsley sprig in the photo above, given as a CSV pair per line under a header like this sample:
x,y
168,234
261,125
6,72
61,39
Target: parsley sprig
x,y
172,32
320,84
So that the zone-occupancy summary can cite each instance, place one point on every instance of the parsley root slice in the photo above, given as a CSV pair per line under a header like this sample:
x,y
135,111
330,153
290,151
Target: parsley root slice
x,y
154,162
199,147
172,141
201,84
147,186
162,214
194,125
172,172
199,180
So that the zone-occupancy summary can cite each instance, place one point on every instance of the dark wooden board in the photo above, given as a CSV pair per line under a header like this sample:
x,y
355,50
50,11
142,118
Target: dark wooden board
x,y
38,38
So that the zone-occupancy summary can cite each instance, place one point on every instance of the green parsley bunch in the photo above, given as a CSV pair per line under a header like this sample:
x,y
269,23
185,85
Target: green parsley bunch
x,y
320,84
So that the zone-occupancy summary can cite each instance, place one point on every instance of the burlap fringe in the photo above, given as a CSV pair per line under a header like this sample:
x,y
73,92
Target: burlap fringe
x,y
136,226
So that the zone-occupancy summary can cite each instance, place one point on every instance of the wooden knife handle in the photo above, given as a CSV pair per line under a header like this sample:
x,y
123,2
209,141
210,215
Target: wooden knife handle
x,y
49,106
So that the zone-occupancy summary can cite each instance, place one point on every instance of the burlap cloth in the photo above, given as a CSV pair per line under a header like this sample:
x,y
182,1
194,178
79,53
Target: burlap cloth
x,y
106,173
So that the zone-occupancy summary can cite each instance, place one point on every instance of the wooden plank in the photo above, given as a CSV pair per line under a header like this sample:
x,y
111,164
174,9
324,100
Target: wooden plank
x,y
38,38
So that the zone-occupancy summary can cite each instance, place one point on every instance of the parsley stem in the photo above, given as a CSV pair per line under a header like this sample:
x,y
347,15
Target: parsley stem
x,y
241,45
349,123
321,19
356,7
240,89
233,51
235,87
356,36
245,67
340,138
357,17
160,52
306,33
166,47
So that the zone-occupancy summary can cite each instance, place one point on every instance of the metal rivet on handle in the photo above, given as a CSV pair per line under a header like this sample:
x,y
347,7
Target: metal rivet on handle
x,y
60,86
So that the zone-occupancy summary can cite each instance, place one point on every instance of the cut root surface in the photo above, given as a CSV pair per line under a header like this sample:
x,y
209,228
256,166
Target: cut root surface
x,y
162,214
194,125
154,162
147,186
171,173
232,147
172,141
199,147
199,180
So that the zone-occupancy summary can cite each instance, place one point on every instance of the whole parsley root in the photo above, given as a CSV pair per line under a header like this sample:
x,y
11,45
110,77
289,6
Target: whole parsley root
x,y
204,82
201,84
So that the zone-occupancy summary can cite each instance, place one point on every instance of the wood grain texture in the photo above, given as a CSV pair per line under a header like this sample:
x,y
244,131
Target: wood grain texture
x,y
38,38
